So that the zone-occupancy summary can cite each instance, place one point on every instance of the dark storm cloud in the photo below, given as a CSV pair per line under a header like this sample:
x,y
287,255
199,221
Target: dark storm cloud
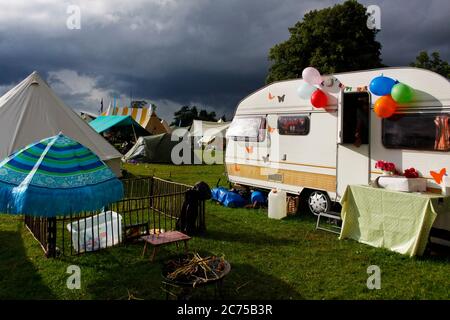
x,y
212,53
408,27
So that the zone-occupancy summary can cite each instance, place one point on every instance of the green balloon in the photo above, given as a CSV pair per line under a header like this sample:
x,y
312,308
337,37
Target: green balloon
x,y
402,93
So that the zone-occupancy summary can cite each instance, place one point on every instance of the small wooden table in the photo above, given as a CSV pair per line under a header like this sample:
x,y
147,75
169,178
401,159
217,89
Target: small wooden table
x,y
157,240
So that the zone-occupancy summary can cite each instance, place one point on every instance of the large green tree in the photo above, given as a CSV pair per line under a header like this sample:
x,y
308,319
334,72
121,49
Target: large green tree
x,y
334,39
433,63
186,115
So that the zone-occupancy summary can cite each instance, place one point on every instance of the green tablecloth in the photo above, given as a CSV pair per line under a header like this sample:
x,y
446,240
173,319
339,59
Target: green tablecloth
x,y
398,221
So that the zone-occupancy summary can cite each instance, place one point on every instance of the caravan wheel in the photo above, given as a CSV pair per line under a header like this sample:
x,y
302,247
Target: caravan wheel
x,y
318,202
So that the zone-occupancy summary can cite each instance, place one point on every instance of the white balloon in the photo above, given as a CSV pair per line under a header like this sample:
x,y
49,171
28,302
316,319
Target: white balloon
x,y
311,75
305,90
331,84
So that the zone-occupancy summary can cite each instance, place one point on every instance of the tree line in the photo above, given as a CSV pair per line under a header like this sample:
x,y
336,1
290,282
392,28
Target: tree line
x,y
187,114
333,39
336,39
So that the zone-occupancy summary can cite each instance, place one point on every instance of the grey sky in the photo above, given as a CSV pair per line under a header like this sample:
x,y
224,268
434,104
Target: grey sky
x,y
172,53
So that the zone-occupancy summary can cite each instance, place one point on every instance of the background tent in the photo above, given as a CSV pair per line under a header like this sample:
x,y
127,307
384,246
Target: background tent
x,y
158,149
104,123
145,116
88,116
154,125
205,132
31,111
166,126
140,115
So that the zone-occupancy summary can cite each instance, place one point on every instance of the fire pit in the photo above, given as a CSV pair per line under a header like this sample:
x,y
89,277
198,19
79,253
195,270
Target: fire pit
x,y
187,272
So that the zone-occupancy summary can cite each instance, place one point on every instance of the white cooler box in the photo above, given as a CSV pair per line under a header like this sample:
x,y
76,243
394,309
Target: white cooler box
x,y
399,183
96,232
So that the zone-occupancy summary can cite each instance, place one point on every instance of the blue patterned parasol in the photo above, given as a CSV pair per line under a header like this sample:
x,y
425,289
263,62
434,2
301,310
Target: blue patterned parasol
x,y
56,176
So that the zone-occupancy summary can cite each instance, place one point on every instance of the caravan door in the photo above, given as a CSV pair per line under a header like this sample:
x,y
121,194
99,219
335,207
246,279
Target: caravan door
x,y
353,149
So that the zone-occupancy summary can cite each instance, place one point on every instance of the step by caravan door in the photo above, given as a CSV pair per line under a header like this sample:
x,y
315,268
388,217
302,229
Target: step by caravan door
x,y
353,150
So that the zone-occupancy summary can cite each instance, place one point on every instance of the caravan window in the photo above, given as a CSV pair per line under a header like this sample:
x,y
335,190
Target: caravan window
x,y
417,131
293,125
247,129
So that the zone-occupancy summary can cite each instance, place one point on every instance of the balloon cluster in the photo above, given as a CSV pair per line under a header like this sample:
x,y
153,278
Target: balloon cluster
x,y
307,89
391,92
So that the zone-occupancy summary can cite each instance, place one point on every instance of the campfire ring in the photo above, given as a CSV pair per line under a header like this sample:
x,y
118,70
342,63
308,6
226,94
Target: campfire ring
x,y
186,288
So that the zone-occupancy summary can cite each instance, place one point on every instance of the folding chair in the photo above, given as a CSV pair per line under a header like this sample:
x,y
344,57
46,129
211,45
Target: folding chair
x,y
334,216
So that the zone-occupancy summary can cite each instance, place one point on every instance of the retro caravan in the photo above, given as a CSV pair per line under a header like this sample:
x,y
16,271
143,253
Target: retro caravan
x,y
278,139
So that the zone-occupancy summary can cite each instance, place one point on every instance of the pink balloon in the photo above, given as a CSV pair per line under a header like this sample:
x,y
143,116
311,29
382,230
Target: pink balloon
x,y
311,75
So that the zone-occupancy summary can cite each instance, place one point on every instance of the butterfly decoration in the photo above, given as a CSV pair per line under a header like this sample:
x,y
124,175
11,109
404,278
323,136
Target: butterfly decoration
x,y
265,158
438,176
249,149
361,89
270,129
280,98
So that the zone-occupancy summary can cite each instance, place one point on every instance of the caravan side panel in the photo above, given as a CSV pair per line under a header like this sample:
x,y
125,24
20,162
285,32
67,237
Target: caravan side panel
x,y
288,162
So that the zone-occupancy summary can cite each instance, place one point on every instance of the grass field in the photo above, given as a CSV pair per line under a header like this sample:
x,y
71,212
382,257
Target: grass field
x,y
270,259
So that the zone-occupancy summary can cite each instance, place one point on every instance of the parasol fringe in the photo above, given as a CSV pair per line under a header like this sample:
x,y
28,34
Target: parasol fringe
x,y
37,201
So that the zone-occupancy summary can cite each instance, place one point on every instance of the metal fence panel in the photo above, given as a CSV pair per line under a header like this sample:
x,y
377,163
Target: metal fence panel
x,y
150,205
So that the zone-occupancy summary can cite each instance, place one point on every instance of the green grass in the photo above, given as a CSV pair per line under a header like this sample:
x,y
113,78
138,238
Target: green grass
x,y
270,259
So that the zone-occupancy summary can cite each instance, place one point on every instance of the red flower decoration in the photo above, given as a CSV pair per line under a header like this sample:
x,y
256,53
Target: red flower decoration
x,y
385,166
411,173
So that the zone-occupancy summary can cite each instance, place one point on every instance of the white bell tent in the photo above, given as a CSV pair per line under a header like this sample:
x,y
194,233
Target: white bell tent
x,y
31,111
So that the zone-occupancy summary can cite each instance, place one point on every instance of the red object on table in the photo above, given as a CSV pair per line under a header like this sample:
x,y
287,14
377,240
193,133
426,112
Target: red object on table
x,y
411,173
164,238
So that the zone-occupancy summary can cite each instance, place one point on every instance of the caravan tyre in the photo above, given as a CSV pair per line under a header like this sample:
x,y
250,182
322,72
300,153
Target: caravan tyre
x,y
318,202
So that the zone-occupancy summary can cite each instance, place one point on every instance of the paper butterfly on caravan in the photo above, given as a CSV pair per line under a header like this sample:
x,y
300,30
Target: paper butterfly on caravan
x,y
280,98
438,176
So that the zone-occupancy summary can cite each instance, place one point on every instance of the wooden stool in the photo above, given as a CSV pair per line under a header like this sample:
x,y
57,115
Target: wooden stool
x,y
157,240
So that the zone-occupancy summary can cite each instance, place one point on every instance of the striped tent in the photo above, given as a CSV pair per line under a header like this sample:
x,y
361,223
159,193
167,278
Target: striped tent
x,y
56,176
140,115
146,117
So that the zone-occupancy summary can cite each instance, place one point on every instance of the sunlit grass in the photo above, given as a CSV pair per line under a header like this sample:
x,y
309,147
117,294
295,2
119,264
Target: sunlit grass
x,y
270,259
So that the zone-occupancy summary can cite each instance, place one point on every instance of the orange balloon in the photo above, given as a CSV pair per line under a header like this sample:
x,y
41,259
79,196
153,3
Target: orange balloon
x,y
385,106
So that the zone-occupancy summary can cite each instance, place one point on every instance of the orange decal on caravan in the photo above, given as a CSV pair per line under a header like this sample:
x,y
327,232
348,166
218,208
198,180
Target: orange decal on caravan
x,y
438,176
249,149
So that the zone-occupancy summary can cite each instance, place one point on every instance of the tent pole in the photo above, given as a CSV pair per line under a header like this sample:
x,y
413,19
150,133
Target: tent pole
x,y
134,132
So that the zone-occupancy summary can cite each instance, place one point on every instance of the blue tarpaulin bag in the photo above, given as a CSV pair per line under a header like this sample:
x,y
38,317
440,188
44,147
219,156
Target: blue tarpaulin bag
x,y
227,198
234,200
219,194
258,197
